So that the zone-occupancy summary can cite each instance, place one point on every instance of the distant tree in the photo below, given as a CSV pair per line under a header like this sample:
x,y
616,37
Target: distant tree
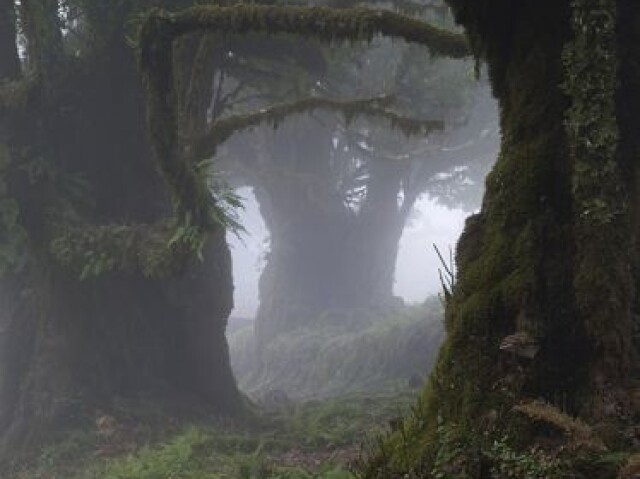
x,y
336,193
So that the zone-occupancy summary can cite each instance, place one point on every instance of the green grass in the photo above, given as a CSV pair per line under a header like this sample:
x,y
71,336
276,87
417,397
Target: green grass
x,y
313,440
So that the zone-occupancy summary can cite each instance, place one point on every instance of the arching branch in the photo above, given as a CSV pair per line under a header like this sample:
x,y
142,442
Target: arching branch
x,y
221,130
320,22
161,29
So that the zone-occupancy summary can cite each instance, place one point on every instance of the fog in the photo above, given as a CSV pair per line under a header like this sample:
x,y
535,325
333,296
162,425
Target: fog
x,y
416,275
341,271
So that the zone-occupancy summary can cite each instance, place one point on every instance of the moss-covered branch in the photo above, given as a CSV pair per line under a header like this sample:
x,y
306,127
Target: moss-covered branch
x,y
324,23
160,29
221,130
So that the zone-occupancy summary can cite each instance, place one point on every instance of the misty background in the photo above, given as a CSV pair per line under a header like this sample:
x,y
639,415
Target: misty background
x,y
416,276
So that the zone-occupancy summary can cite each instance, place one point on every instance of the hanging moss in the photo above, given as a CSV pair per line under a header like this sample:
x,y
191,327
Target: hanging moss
x,y
205,146
160,29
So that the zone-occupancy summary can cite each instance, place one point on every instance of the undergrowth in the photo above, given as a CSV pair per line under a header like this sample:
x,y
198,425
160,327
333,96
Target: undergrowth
x,y
342,351
311,440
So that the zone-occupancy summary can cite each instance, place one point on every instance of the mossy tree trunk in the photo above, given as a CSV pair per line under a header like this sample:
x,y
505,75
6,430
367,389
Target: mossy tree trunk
x,y
551,258
71,347
514,258
551,252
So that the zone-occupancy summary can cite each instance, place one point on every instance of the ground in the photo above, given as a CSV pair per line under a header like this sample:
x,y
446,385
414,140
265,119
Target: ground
x,y
311,440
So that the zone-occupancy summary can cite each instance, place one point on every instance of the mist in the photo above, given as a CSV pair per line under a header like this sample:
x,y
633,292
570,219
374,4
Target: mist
x,y
416,274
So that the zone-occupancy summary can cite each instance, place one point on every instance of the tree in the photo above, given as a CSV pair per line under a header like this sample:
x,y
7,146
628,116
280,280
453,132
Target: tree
x,y
80,198
110,289
336,194
545,303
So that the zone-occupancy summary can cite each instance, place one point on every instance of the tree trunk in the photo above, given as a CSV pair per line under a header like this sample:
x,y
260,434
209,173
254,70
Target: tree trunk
x,y
323,256
71,347
551,254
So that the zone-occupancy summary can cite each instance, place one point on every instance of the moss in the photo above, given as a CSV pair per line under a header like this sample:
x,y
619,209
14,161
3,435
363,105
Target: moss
x,y
603,282
514,259
578,433
15,95
160,29
325,23
221,130
91,251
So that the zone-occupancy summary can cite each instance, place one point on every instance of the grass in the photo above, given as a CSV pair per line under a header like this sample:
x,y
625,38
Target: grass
x,y
343,351
313,440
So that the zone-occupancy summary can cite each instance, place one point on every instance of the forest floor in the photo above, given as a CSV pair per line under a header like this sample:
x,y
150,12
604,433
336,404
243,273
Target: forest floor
x,y
311,440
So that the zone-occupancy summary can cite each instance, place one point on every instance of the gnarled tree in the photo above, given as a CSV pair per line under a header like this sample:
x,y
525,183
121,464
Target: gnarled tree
x,y
546,304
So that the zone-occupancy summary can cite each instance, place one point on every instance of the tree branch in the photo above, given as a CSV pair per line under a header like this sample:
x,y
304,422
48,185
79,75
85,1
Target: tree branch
x,y
159,30
220,131
324,23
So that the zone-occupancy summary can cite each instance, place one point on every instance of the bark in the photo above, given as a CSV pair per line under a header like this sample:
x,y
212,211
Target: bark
x,y
322,255
9,61
552,252
71,347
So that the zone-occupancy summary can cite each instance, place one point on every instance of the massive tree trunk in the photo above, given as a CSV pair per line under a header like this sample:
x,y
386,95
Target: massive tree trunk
x,y
69,346
545,306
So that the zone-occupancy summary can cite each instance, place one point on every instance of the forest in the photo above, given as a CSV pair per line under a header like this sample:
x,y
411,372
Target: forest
x,y
319,239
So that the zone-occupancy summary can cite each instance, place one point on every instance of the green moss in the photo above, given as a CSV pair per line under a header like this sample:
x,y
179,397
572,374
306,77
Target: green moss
x,y
159,30
514,258
223,129
604,283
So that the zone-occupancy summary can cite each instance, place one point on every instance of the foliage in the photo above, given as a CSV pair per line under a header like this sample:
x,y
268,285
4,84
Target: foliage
x,y
173,459
317,440
457,456
12,235
341,351
535,463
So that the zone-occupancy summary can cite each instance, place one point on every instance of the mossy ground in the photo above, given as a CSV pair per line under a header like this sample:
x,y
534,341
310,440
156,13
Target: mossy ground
x,y
311,440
